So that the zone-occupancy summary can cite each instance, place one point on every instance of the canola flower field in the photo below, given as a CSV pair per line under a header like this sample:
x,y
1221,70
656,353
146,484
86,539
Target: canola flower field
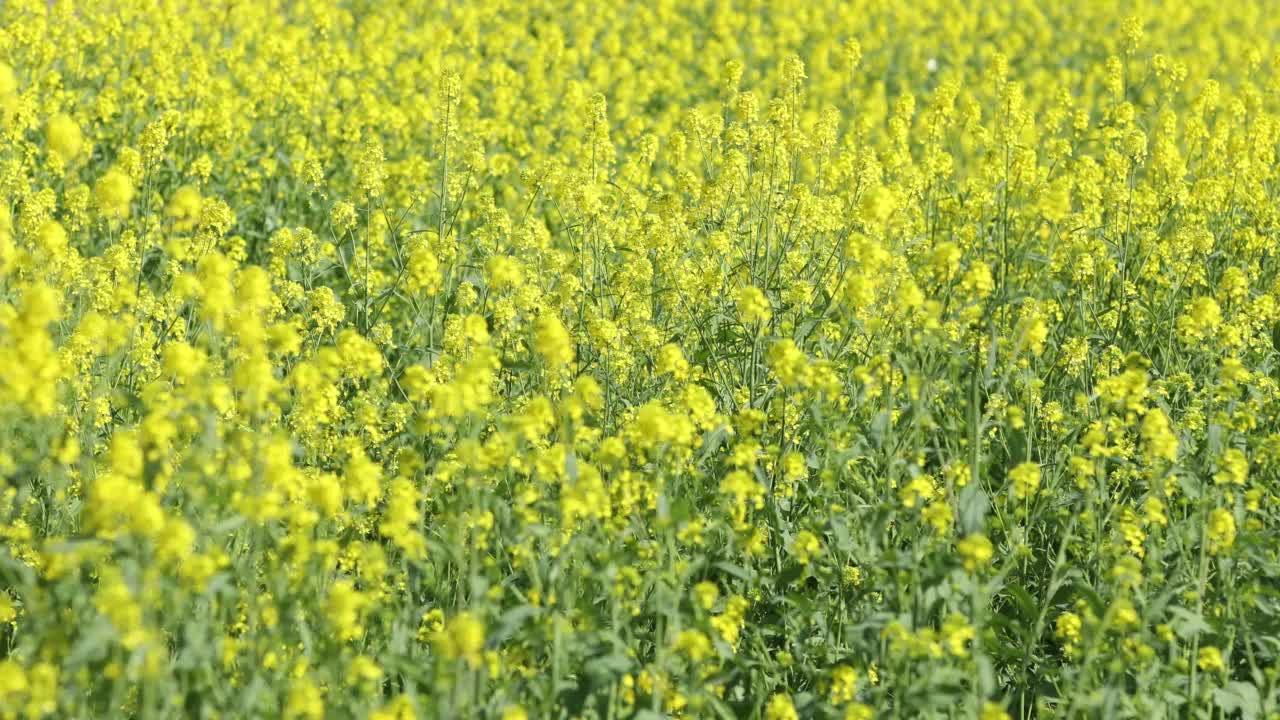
x,y
707,359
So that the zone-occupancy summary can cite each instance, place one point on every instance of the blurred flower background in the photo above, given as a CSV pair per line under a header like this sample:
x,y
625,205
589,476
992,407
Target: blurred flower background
x,y
705,359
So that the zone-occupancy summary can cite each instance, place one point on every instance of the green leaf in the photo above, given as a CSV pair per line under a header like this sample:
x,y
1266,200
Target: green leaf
x,y
735,570
510,622
93,645
973,508
789,575
1188,624
1027,608
1239,697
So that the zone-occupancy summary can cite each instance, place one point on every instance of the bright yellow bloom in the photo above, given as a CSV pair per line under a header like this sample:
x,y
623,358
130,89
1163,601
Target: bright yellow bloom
x,y
114,192
63,136
976,550
1025,479
462,639
1221,531
753,306
780,707
805,546
1210,659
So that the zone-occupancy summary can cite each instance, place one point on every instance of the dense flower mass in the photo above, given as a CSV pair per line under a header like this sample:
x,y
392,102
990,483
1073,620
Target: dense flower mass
x,y
706,359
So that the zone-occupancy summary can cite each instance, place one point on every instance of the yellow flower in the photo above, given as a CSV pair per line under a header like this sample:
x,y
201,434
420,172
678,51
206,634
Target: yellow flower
x,y
400,708
1026,480
745,492
503,272
976,550
753,306
993,711
305,701
184,208
8,80
462,639
553,341
370,170
423,272
859,711
844,684
694,645
956,633
63,136
114,192
1220,531
1160,442
788,363
1067,629
1233,468
343,217
7,611
671,361
804,546
706,593
13,681
362,669
729,623
1210,659
344,609
780,707
1200,319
